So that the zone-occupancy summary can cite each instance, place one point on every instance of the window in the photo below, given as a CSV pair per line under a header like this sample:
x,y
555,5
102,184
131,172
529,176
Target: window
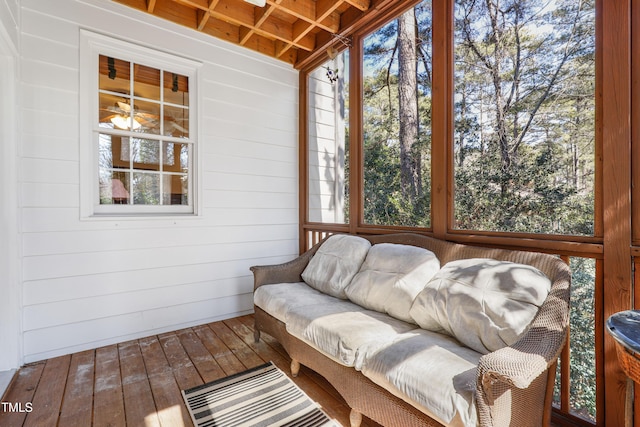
x,y
397,121
140,141
503,97
524,133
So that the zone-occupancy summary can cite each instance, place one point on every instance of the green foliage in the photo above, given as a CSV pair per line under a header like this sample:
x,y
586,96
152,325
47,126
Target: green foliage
x,y
524,136
524,117
583,358
384,201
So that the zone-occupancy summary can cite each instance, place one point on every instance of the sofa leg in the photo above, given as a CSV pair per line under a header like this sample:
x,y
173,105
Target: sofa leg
x,y
295,368
256,335
355,418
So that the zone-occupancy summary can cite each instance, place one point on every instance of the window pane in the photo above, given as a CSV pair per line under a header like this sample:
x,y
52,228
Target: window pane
x,y
175,190
105,152
524,116
146,82
146,116
114,75
329,141
146,154
114,187
397,121
176,89
176,157
176,122
146,189
113,152
114,112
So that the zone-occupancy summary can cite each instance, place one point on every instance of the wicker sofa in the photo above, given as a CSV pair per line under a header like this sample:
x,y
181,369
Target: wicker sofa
x,y
509,386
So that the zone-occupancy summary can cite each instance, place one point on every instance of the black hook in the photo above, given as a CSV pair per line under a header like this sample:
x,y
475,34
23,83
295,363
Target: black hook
x,y
112,68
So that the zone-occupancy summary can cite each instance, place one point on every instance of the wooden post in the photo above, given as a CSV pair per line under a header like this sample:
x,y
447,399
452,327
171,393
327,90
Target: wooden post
x,y
616,176
441,124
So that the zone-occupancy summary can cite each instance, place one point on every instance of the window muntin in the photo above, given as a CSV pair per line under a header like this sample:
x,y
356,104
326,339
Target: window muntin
x,y
524,108
397,121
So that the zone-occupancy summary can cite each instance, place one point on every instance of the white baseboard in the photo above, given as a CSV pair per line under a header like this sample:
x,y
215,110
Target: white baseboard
x,y
5,379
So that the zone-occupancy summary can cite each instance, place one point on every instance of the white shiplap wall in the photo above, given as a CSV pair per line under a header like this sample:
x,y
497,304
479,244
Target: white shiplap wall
x,y
327,144
9,19
88,283
10,305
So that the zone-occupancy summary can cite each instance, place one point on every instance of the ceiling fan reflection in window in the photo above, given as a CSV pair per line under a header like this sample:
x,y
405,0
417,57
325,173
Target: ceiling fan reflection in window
x,y
120,115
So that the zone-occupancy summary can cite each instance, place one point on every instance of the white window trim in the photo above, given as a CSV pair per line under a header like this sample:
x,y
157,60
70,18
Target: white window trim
x,y
91,46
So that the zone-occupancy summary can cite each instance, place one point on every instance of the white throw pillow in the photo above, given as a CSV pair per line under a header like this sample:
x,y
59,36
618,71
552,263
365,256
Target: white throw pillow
x,y
335,263
391,277
484,303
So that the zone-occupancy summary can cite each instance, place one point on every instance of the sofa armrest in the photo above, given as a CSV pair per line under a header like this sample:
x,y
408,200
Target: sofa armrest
x,y
288,272
516,367
520,367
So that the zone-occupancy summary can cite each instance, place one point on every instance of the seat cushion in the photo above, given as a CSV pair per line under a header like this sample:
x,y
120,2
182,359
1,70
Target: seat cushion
x,y
433,372
344,331
391,277
278,299
484,303
335,263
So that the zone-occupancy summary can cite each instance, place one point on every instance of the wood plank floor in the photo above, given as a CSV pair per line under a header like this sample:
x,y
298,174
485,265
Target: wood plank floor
x,y
138,383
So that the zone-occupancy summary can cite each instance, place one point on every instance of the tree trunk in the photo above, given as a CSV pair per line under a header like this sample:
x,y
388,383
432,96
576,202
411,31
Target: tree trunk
x,y
410,161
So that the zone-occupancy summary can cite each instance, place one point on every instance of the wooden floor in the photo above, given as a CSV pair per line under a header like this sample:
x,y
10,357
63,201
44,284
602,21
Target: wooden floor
x,y
138,383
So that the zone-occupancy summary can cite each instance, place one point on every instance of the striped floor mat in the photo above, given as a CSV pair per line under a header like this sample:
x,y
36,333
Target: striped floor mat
x,y
262,396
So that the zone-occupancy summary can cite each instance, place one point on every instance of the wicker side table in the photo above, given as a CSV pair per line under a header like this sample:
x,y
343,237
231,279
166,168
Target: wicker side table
x,y
624,327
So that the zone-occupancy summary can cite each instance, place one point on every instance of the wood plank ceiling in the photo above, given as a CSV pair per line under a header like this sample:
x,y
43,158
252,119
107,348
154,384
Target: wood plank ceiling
x,y
289,30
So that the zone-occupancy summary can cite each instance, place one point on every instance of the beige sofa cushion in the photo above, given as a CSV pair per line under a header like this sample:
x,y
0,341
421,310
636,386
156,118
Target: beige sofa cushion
x,y
279,298
391,277
484,303
344,331
431,371
335,263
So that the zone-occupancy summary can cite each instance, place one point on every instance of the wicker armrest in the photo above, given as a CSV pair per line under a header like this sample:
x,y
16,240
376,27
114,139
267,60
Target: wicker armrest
x,y
514,367
523,362
519,372
289,272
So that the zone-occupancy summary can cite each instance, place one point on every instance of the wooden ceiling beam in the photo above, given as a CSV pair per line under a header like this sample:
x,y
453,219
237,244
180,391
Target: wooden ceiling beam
x,y
196,4
203,18
176,12
285,29
270,47
351,20
244,35
306,42
330,23
222,30
324,8
363,5
234,12
282,48
228,11
306,11
262,14
301,29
